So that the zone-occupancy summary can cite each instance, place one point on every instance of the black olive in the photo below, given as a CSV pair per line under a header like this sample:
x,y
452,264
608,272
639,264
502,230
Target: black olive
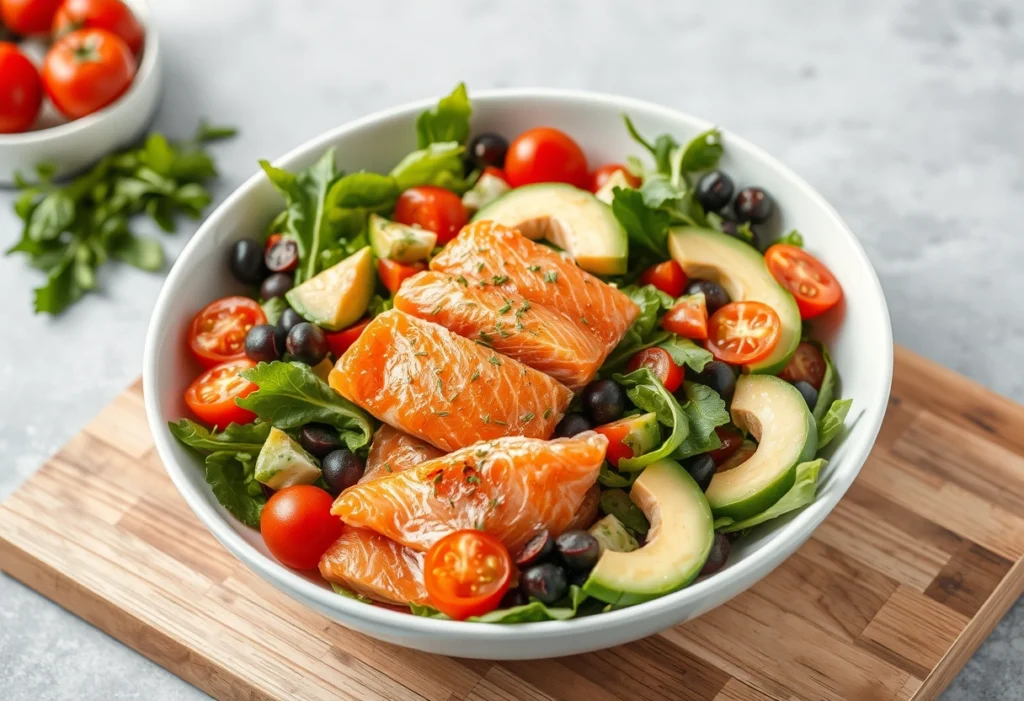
x,y
341,469
753,205
539,547
579,550
714,190
701,469
715,296
488,149
719,554
513,597
261,344
276,285
604,401
808,392
282,256
307,343
289,318
571,424
732,228
720,377
319,439
545,582
246,261
579,578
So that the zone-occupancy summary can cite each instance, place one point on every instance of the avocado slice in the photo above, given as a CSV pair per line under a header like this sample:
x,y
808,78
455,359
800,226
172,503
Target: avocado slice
x,y
776,414
338,296
612,535
641,434
398,242
487,189
572,219
678,542
283,463
740,269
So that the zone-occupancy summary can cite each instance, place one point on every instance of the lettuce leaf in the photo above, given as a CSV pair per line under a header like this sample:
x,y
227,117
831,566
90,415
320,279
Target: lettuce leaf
x,y
447,121
705,410
832,422
799,495
828,384
686,352
647,392
438,164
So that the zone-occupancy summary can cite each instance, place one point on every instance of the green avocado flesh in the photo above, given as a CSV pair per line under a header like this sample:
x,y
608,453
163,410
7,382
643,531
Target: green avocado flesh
x,y
398,242
777,415
740,269
283,463
337,297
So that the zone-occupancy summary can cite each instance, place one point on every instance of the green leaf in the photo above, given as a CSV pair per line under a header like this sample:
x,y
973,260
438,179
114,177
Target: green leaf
x,y
828,384
647,393
342,591
636,135
207,132
61,288
273,309
243,438
644,333
448,121
372,191
799,495
438,164
703,152
228,481
658,191
793,238
193,198
161,211
379,305
646,227
144,253
529,612
705,410
832,422
610,477
617,503
158,154
686,352
45,172
51,217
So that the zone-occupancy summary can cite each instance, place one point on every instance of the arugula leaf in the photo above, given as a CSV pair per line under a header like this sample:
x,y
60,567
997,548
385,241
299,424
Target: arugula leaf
x,y
645,227
793,238
617,503
686,352
647,393
799,495
243,438
290,395
437,164
705,410
828,384
229,480
832,422
448,121
703,152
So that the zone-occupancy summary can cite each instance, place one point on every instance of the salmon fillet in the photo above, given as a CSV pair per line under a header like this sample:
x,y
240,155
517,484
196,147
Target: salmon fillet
x,y
371,565
507,322
508,487
433,384
502,258
395,451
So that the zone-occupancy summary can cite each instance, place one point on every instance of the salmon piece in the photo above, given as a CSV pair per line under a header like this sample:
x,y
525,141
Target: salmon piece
x,y
394,451
508,487
504,259
371,565
507,322
433,384
587,513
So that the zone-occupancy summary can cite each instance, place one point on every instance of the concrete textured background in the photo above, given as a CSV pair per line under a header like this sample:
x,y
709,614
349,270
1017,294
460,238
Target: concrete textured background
x,y
907,114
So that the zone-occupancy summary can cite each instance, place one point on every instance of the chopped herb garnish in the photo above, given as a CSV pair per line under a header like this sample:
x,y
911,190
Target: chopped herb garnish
x,y
420,354
485,338
479,267
506,308
547,412
437,310
473,479
387,466
499,279
462,281
486,418
551,276
479,525
528,416
533,268
500,328
475,377
441,413
499,422
493,360
584,320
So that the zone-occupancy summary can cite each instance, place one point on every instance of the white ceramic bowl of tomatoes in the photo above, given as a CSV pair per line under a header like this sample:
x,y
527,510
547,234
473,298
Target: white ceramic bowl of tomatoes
x,y
78,79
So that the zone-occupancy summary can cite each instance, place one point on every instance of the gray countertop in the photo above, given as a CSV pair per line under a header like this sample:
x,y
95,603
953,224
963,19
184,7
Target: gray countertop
x,y
907,114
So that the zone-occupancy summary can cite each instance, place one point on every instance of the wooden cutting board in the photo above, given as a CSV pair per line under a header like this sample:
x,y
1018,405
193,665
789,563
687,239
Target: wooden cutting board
x,y
887,600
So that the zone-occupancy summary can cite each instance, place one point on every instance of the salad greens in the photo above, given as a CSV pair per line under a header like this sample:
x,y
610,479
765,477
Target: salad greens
x,y
799,495
618,504
704,411
532,611
448,121
832,422
647,393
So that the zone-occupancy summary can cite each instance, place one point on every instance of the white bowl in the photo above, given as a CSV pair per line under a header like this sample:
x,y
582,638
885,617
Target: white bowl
x,y
73,146
859,336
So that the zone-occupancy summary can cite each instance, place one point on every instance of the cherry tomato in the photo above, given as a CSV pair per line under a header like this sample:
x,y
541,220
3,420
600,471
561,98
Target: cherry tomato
x,y
87,70
466,573
807,365
616,434
496,172
212,396
393,274
812,284
731,440
667,277
741,333
339,341
688,318
271,240
601,176
432,208
217,333
28,16
545,155
112,15
659,362
298,527
21,90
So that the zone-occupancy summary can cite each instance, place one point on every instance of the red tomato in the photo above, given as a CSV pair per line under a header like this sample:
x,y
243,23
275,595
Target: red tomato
x,y
688,318
496,172
271,240
667,277
217,333
545,155
21,90
601,176
298,527
87,70
393,274
28,16
741,333
112,15
616,434
731,441
466,573
339,341
812,284
432,208
659,362
212,396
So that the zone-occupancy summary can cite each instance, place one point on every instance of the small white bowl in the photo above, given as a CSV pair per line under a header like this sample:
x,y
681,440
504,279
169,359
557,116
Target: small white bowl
x,y
858,334
73,146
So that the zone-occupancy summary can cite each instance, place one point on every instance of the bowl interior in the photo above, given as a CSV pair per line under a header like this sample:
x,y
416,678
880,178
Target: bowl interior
x,y
857,333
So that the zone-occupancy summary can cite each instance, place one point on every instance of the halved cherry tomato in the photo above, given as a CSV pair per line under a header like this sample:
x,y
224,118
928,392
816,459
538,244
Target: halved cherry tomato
x,y
28,16
339,341
112,15
659,362
21,90
217,333
600,176
432,208
545,155
86,70
393,274
667,277
212,396
812,284
496,172
807,365
741,333
731,440
688,318
616,433
297,525
466,573
271,240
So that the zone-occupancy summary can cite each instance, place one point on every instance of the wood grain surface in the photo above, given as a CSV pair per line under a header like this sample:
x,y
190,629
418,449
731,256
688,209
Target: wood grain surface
x,y
887,600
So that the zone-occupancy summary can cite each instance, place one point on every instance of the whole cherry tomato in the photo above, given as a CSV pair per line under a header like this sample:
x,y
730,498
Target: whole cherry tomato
x,y
87,70
112,15
660,363
21,90
432,208
28,16
297,525
545,155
